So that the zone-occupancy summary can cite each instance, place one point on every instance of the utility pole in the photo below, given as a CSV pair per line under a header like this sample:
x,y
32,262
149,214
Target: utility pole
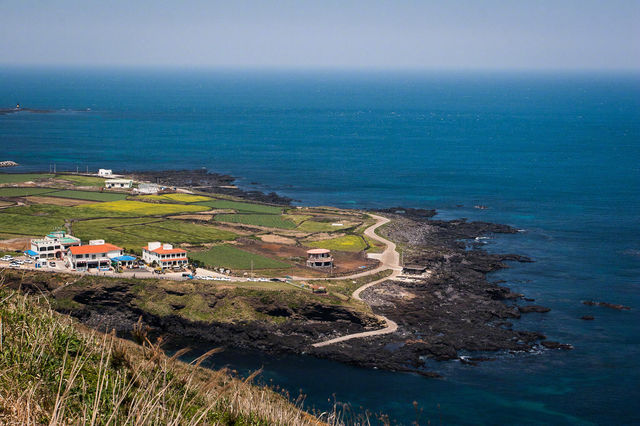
x,y
87,169
54,168
77,169
251,268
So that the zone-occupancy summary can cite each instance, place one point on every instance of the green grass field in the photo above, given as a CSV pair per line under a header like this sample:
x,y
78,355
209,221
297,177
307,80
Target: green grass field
x,y
88,195
242,207
78,180
233,258
64,212
344,243
313,226
138,208
297,218
23,192
135,233
28,225
172,198
22,177
268,220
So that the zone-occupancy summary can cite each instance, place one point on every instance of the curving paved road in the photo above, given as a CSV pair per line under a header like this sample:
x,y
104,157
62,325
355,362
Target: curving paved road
x,y
389,259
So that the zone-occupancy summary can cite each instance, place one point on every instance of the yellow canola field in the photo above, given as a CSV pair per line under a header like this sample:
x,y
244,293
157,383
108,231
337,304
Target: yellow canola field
x,y
143,209
181,198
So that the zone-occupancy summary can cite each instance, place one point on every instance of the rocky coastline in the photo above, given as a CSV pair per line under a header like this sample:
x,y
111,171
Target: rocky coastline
x,y
451,310
206,181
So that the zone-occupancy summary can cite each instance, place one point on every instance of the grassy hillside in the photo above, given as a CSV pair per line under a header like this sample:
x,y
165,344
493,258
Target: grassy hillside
x,y
57,372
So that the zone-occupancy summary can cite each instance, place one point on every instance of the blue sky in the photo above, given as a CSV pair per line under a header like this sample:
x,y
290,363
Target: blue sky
x,y
371,34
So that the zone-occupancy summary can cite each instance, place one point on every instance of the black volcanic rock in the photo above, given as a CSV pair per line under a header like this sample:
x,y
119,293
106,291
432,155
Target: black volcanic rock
x,y
607,305
556,345
205,181
533,308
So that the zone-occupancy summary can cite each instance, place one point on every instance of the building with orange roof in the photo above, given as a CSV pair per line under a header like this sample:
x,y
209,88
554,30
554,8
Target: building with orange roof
x,y
96,254
164,255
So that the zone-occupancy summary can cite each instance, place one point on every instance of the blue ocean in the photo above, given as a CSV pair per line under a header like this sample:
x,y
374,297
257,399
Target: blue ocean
x,y
556,155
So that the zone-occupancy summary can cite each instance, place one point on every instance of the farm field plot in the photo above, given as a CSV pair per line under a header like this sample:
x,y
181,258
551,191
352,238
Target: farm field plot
x,y
181,198
344,243
78,180
297,218
22,177
233,258
66,212
28,225
22,192
45,199
242,207
268,220
88,195
315,226
55,211
140,208
135,233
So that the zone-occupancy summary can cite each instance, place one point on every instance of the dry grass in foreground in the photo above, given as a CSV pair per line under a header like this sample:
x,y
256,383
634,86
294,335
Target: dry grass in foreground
x,y
54,371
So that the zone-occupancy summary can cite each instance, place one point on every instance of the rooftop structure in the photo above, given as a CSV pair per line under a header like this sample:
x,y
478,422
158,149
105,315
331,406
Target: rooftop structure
x,y
97,254
164,255
319,258
53,245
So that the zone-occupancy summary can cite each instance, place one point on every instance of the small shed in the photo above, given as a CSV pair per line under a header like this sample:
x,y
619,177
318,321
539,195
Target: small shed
x,y
32,254
123,260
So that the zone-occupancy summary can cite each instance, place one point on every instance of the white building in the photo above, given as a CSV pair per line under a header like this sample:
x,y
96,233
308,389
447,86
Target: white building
x,y
105,172
97,254
164,255
118,183
53,245
148,188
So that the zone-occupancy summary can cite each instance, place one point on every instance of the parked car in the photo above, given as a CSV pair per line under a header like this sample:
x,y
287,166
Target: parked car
x,y
52,264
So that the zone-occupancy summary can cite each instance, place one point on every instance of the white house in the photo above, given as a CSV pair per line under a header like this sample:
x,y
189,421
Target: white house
x,y
164,255
105,172
118,183
53,245
97,254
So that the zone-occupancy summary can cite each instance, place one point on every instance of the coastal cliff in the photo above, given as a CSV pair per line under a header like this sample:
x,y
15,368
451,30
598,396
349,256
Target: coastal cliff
x,y
450,309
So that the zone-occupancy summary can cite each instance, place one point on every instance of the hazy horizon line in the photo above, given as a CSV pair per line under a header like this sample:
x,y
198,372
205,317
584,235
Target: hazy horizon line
x,y
257,68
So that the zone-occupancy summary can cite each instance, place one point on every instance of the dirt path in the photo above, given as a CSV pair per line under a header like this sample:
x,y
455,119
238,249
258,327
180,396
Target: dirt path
x,y
389,259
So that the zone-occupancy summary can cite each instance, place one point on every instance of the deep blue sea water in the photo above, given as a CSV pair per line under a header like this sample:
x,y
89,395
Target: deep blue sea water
x,y
554,154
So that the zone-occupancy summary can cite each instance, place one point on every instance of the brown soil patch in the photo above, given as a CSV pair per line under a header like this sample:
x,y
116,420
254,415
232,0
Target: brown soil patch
x,y
201,217
324,236
21,243
272,238
67,202
351,262
273,249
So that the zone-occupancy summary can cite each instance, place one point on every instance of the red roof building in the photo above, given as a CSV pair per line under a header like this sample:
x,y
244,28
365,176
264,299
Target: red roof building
x,y
164,255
